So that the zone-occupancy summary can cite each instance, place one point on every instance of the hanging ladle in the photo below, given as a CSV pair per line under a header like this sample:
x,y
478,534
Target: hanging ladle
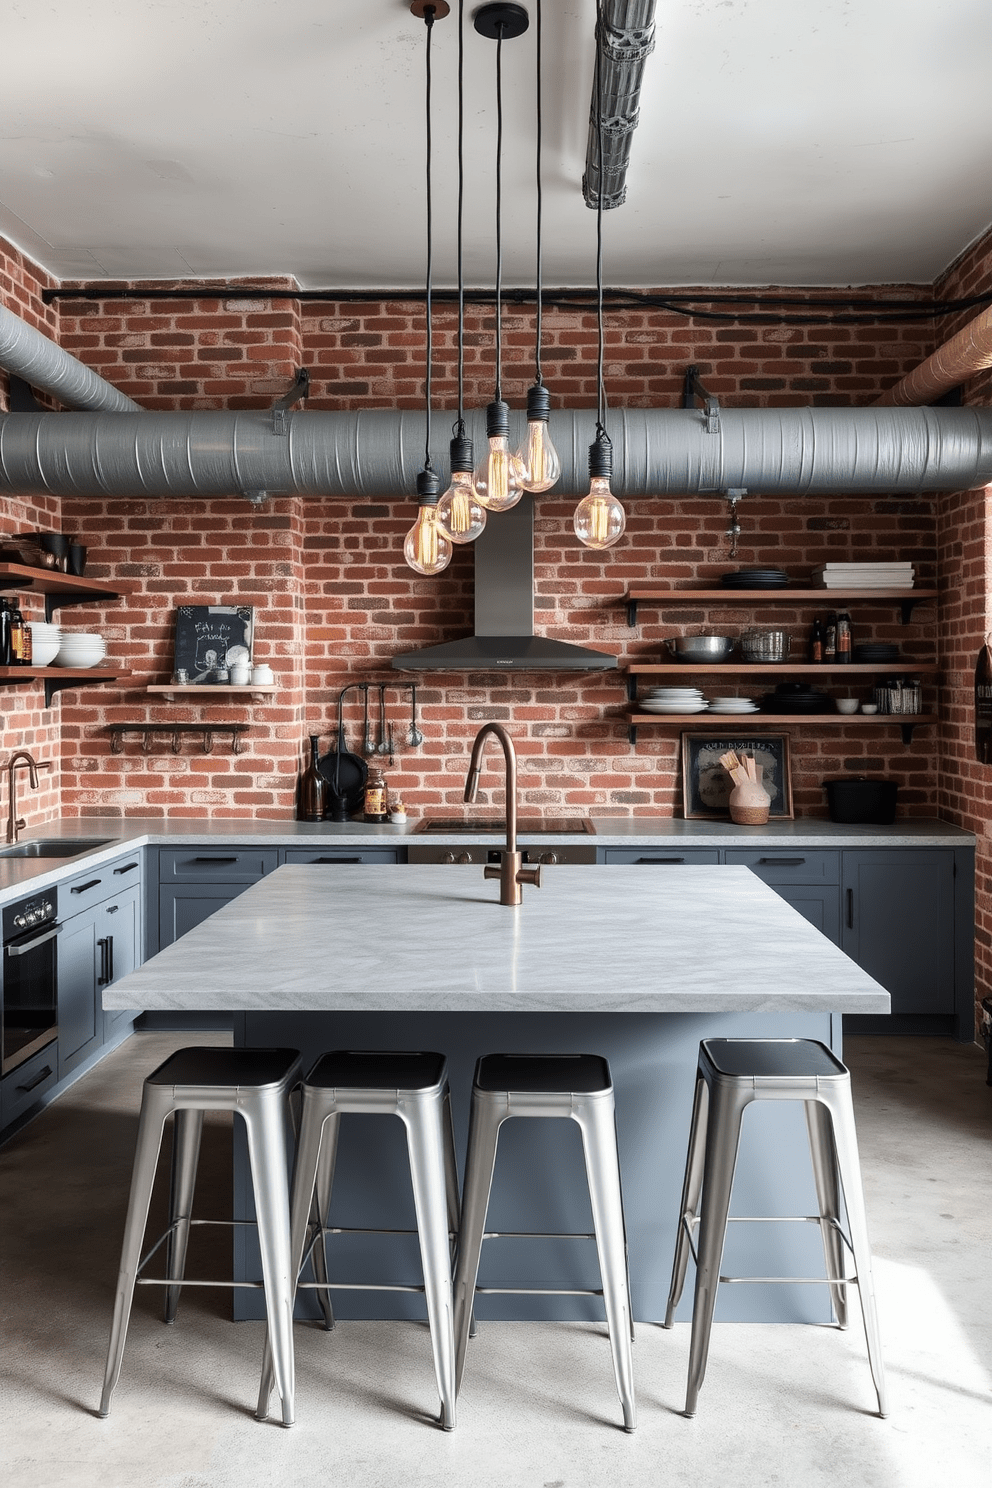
x,y
383,745
414,738
368,746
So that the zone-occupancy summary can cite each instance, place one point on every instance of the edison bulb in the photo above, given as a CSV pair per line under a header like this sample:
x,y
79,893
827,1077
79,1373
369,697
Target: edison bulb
x,y
599,519
498,477
426,549
538,457
460,516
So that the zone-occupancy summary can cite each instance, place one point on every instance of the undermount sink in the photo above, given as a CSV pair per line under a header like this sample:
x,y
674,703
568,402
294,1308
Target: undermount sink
x,y
54,847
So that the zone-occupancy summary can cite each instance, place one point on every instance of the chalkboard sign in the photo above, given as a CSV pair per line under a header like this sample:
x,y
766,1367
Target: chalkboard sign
x,y
983,706
211,637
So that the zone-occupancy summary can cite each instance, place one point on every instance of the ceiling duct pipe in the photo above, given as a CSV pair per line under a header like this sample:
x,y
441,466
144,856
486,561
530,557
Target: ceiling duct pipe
x,y
43,365
662,452
968,352
625,40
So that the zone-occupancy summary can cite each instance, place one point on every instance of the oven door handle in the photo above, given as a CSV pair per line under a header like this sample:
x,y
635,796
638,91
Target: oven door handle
x,y
21,948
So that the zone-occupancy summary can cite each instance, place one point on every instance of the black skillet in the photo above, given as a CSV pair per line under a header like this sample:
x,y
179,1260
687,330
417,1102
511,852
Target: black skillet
x,y
345,773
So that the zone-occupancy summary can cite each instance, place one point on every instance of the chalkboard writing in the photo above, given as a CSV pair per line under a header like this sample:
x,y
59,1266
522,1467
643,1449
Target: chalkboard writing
x,y
210,639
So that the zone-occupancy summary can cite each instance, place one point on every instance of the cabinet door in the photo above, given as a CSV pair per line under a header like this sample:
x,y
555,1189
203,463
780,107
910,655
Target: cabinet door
x,y
819,905
899,924
183,906
120,929
80,1014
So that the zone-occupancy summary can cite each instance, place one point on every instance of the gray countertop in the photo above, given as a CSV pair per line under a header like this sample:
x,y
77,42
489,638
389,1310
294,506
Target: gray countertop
x,y
385,937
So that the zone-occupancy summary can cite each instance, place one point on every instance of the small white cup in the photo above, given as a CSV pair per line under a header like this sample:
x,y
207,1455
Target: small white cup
x,y
869,707
240,676
846,705
262,676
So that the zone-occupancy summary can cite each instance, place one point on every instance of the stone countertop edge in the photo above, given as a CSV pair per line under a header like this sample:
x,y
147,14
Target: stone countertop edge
x,y
20,876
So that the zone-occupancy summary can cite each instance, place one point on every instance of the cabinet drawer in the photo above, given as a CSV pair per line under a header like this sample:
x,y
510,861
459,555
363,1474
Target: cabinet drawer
x,y
83,889
24,1086
216,864
341,855
663,856
785,866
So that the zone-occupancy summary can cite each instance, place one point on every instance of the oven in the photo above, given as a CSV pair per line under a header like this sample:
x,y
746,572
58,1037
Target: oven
x,y
30,978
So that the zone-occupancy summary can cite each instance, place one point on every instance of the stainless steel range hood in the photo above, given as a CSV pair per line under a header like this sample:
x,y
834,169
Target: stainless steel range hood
x,y
504,638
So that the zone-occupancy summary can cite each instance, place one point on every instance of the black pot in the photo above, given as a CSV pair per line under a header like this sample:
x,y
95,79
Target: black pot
x,y
855,799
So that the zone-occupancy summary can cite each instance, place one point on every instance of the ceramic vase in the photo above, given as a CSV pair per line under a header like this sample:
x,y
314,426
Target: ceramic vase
x,y
749,804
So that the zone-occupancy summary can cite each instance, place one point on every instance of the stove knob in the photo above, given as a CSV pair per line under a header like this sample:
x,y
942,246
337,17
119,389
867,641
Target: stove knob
x,y
548,857
20,922
30,917
449,857
464,857
46,909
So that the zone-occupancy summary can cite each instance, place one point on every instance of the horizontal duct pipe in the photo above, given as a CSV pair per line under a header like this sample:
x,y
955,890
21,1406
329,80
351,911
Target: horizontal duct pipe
x,y
658,452
42,364
624,41
968,352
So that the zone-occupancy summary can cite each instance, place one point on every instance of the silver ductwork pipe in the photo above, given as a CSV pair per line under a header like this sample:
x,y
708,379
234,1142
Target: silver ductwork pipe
x,y
625,40
45,366
376,453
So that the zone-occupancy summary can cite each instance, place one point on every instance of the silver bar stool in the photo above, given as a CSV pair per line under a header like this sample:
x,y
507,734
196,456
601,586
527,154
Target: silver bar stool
x,y
414,1087
563,1085
731,1073
255,1084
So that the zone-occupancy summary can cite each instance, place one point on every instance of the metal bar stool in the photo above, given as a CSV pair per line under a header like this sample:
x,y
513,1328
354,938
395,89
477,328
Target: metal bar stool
x,y
573,1085
255,1084
414,1087
731,1073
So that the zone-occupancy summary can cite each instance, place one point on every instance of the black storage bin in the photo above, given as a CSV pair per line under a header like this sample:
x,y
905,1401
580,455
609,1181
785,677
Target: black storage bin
x,y
855,799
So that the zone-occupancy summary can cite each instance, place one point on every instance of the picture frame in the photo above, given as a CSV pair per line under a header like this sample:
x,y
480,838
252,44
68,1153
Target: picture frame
x,y
706,785
211,637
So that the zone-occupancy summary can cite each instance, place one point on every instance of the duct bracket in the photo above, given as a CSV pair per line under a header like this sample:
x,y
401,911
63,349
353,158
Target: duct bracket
x,y
692,389
298,393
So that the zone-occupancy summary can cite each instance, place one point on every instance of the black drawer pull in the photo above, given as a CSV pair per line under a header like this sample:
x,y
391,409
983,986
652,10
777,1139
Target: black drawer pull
x,y
127,868
783,862
335,860
659,860
235,859
850,909
24,1089
91,884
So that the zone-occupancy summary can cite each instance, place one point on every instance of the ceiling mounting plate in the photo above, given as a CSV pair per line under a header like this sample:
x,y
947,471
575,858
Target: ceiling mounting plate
x,y
501,21
440,8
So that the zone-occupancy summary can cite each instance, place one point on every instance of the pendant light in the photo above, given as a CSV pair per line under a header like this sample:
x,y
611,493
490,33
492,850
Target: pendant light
x,y
599,519
537,455
460,515
499,474
426,549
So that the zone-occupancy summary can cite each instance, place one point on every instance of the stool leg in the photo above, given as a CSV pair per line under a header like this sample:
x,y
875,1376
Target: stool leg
x,y
450,1173
322,1186
154,1111
308,1149
186,1133
423,1119
846,1143
824,1161
596,1121
691,1188
722,1142
486,1117
264,1117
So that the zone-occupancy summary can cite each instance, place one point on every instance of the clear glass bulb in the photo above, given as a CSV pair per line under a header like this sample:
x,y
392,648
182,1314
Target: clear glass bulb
x,y
426,549
498,477
460,516
538,457
599,518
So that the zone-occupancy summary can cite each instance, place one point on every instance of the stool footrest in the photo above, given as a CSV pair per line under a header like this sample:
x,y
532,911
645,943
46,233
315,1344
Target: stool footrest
x,y
536,1235
539,1291
357,1286
798,1280
185,1281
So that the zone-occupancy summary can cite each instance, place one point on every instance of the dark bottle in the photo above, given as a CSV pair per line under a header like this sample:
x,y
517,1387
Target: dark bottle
x,y
830,638
17,637
816,641
313,787
843,636
4,633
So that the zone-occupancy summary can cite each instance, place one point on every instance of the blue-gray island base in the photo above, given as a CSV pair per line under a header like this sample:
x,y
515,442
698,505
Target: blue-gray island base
x,y
635,966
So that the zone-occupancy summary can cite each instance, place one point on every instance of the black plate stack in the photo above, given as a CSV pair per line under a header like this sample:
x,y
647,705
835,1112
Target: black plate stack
x,y
755,578
872,652
796,697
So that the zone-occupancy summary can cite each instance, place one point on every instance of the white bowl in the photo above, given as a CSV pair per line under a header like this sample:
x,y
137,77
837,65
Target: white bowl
x,y
43,653
869,707
846,705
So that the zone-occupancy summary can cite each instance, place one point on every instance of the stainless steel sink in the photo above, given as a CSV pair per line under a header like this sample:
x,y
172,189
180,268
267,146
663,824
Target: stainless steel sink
x,y
54,847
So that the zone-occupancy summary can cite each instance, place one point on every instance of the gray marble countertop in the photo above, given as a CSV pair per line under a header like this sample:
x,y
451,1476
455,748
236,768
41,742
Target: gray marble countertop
x,y
423,938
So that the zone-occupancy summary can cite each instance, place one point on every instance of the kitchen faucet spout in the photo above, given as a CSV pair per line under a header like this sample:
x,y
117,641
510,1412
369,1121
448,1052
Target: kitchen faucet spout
x,y
19,757
511,872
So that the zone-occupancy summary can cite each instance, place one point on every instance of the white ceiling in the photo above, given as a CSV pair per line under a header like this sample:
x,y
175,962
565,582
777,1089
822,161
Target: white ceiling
x,y
781,141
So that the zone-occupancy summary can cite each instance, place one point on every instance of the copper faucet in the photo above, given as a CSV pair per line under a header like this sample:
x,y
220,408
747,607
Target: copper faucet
x,y
20,756
511,872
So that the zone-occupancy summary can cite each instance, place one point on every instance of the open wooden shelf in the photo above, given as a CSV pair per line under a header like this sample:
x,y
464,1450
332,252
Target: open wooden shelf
x,y
743,669
819,598
218,692
57,587
736,722
57,679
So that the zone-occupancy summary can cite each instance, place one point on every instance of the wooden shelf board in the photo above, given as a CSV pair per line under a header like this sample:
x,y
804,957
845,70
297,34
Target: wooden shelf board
x,y
773,596
53,581
60,674
218,691
738,721
766,668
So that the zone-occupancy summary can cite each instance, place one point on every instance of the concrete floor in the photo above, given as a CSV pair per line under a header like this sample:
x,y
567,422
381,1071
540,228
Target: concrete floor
x,y
789,1406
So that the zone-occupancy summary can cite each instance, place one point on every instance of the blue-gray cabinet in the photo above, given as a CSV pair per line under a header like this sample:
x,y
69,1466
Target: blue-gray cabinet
x,y
100,941
196,881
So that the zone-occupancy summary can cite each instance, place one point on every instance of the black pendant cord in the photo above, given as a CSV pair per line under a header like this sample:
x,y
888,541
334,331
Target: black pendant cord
x,y
498,395
538,377
600,388
459,426
429,23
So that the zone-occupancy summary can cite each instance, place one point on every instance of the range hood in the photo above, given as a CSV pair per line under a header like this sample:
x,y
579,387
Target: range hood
x,y
504,638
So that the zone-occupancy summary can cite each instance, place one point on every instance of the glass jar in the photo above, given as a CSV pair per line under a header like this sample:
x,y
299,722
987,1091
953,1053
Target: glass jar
x,y
376,797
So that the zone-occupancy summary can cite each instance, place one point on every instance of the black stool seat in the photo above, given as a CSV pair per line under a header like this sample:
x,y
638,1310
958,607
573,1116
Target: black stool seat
x,y
557,1074
772,1059
376,1069
237,1068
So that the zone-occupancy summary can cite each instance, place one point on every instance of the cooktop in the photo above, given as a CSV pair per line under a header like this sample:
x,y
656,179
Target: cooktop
x,y
526,825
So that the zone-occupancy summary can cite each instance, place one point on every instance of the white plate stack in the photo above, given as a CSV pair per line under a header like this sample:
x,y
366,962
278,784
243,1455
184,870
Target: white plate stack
x,y
81,649
673,700
45,642
732,705
865,575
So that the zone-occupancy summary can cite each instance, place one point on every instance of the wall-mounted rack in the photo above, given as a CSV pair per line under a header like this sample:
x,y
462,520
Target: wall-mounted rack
x,y
177,731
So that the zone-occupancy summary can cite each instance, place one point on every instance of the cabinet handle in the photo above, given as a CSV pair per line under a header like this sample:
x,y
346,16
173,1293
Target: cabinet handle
x,y
335,860
127,868
110,958
36,1081
22,949
783,862
850,909
81,888
658,860
235,859
103,978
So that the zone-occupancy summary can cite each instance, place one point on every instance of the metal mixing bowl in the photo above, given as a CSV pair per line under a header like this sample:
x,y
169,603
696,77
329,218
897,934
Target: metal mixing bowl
x,y
709,648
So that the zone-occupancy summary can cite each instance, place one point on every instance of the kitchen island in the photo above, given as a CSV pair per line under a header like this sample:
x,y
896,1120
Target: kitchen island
x,y
632,965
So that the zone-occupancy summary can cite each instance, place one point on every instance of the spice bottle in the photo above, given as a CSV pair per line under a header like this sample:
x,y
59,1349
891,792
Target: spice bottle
x,y
843,636
830,638
16,637
313,787
27,644
816,641
376,807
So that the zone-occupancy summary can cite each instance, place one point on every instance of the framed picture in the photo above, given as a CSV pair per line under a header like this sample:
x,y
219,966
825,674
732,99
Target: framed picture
x,y
209,637
706,786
